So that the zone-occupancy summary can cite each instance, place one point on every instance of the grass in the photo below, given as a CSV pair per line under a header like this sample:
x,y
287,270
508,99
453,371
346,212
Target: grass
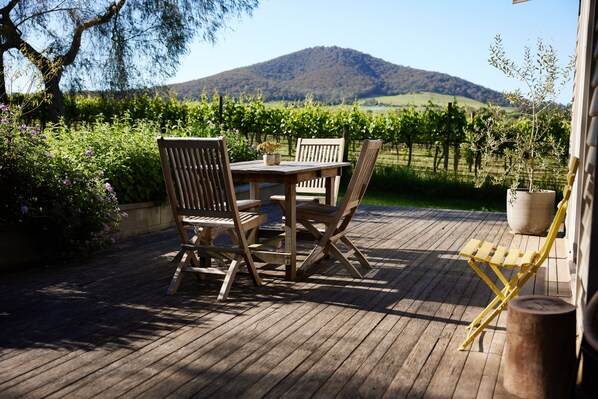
x,y
418,100
396,199
394,184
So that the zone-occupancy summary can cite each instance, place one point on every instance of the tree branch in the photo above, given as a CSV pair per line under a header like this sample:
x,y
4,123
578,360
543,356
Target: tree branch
x,y
112,10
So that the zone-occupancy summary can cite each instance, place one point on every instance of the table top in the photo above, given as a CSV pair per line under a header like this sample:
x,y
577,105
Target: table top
x,y
285,167
288,172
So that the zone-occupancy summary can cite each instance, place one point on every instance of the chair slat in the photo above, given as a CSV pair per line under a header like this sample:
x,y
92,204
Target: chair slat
x,y
470,248
499,255
484,252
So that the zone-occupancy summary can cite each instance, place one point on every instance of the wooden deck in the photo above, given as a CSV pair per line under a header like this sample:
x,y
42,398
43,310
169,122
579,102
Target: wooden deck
x,y
104,328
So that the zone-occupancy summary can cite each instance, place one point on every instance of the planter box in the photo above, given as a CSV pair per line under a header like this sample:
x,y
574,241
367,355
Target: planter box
x,y
144,217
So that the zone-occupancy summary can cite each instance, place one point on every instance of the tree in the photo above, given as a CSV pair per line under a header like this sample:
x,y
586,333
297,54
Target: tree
x,y
103,44
542,79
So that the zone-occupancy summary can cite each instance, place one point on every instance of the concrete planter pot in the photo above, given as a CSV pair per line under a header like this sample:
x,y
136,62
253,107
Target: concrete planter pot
x,y
530,212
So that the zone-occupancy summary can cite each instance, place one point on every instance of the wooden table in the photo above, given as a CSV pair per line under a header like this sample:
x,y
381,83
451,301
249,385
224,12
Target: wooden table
x,y
288,173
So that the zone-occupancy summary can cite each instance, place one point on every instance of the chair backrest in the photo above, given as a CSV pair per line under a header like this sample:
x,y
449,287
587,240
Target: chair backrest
x,y
319,150
198,177
560,212
361,176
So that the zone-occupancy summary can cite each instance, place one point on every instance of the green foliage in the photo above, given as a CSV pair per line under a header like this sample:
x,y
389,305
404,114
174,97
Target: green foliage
x,y
534,137
126,150
64,198
418,184
108,44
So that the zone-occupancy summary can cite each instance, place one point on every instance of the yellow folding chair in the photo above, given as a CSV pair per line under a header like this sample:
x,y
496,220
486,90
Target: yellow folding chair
x,y
499,257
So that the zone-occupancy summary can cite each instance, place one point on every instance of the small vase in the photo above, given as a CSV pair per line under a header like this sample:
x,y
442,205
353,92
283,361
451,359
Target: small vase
x,y
272,159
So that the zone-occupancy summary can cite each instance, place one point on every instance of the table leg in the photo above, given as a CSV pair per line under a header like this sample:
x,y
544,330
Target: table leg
x,y
290,229
254,190
330,200
254,193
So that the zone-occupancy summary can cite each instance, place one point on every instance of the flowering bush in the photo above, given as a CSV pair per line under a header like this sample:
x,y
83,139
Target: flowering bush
x,y
65,199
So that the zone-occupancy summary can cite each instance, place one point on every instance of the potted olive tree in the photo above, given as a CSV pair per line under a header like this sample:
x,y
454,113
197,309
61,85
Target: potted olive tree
x,y
529,143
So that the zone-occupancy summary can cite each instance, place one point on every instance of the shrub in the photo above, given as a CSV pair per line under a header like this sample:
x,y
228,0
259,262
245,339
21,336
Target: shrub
x,y
65,198
127,152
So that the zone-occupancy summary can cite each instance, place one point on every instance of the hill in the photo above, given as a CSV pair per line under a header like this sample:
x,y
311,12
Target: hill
x,y
332,74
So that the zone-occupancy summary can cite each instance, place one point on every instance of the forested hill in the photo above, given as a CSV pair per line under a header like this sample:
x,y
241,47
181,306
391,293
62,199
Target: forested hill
x,y
332,74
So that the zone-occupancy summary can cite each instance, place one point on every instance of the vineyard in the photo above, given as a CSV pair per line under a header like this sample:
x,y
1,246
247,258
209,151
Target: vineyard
x,y
435,142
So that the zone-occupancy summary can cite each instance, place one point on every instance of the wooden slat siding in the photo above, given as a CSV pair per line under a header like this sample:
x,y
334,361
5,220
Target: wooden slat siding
x,y
328,333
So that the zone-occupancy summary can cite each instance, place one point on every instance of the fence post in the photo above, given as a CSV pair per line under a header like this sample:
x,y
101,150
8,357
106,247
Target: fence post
x,y
346,138
448,136
220,101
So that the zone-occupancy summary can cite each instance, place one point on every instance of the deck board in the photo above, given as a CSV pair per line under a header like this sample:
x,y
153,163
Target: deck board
x,y
104,327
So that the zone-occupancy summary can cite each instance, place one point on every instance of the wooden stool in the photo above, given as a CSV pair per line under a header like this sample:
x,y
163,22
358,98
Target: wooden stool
x,y
539,356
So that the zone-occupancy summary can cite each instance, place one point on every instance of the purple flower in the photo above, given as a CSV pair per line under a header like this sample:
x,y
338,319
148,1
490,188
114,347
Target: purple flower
x,y
4,120
3,107
50,155
88,152
113,240
24,209
106,227
67,182
23,127
109,188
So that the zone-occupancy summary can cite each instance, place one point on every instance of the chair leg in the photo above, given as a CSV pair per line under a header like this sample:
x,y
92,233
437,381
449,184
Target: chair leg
x,y
512,293
476,331
334,251
176,279
358,254
229,278
315,255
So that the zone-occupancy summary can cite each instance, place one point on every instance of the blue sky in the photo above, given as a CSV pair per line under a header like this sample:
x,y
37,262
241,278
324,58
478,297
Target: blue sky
x,y
449,36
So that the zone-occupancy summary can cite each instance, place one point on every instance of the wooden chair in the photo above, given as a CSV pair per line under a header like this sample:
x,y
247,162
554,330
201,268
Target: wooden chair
x,y
336,219
202,197
499,257
315,150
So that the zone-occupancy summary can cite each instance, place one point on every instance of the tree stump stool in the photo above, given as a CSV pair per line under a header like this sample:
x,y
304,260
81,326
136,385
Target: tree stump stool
x,y
539,356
